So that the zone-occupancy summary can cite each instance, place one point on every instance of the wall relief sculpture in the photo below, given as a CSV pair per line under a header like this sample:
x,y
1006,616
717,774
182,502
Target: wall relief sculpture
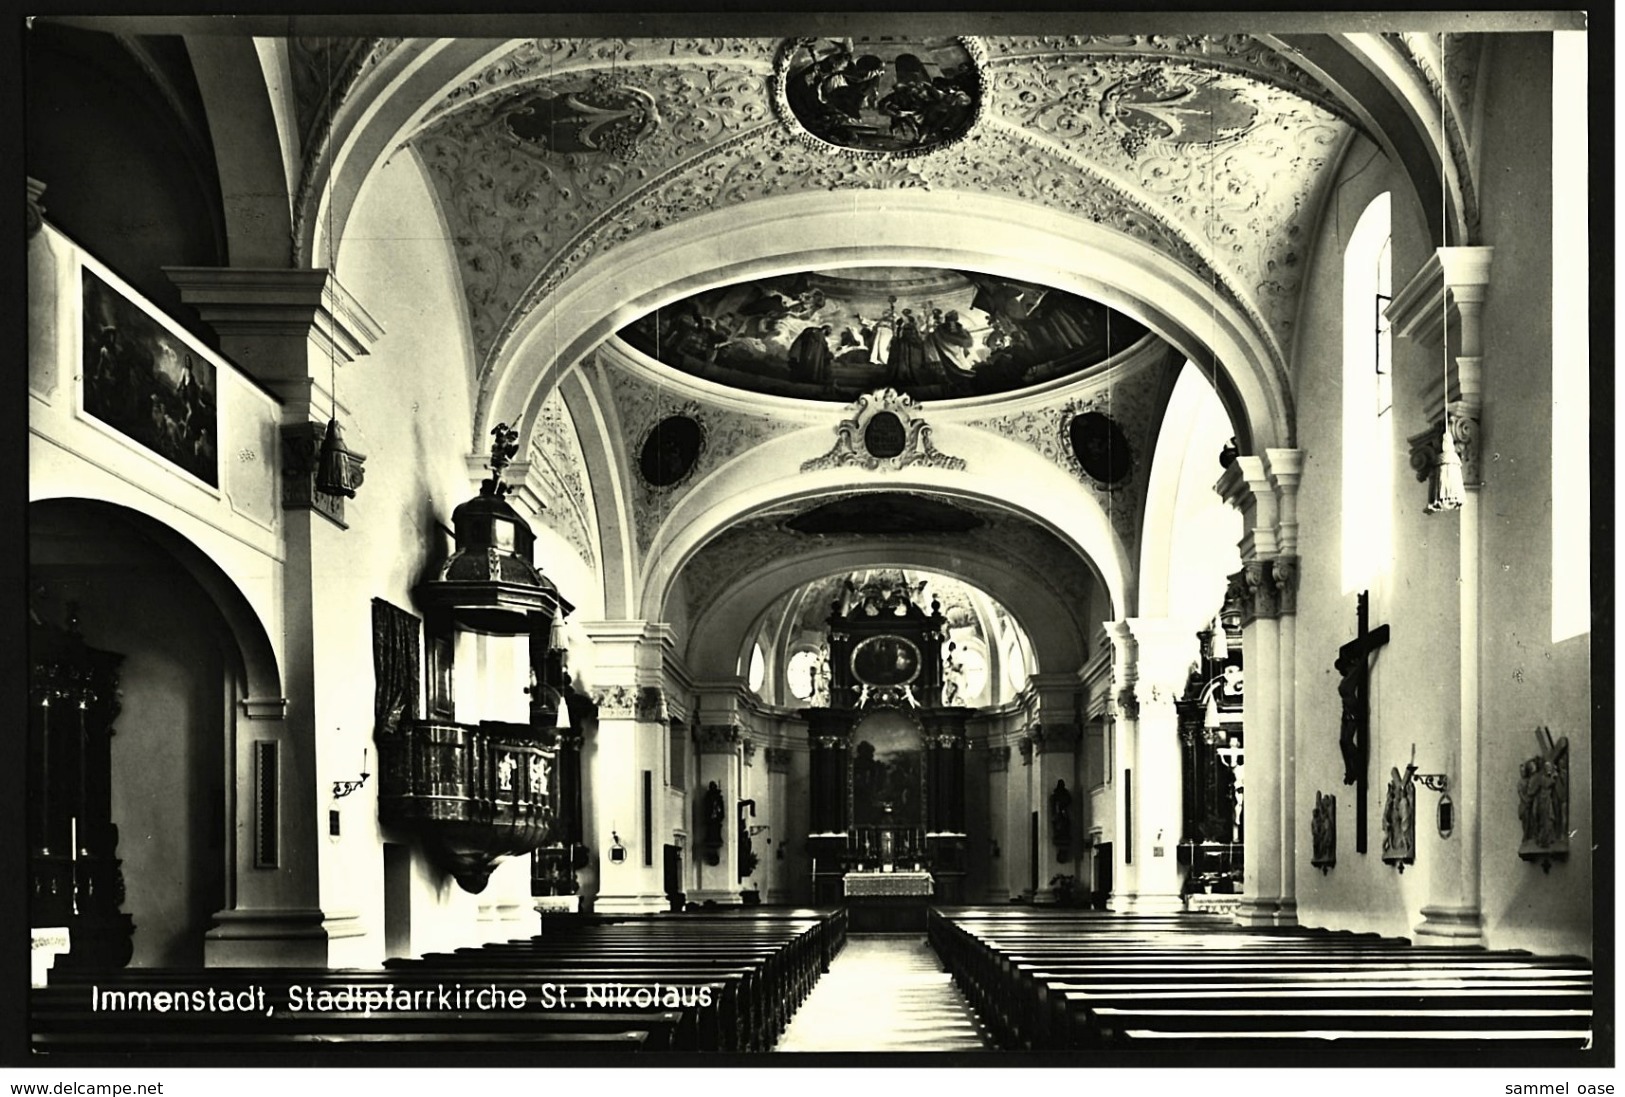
x,y
1399,819
1543,801
1323,832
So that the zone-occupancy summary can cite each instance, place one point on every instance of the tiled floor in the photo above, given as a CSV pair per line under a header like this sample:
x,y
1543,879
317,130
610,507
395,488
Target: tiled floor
x,y
885,993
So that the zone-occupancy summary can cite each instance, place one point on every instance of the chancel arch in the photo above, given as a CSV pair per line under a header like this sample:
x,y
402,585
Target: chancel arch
x,y
810,231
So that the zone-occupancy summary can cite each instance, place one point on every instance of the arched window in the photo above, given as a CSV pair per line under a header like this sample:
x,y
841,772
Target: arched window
x,y
1368,404
757,674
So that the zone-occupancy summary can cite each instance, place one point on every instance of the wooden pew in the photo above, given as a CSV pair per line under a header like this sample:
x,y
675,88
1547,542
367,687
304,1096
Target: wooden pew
x,y
1058,980
750,970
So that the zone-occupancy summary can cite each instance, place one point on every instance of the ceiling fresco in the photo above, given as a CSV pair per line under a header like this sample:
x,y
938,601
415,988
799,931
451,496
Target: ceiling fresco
x,y
836,334
1211,149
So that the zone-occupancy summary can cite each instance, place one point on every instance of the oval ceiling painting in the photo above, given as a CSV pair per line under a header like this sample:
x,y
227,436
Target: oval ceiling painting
x,y
836,334
881,95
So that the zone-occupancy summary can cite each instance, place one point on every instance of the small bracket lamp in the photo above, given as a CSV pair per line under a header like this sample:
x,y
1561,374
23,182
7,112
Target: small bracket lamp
x,y
341,789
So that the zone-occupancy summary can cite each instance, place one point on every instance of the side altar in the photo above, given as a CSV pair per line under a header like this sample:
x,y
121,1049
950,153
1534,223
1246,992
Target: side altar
x,y
887,827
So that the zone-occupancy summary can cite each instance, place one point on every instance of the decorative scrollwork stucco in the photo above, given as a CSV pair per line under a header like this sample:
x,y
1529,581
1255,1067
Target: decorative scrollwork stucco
x,y
557,463
639,405
1074,124
854,444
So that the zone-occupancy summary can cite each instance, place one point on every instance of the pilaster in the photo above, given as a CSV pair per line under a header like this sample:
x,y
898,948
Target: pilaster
x,y
1161,652
998,822
774,852
285,328
1447,296
630,741
1265,490
720,748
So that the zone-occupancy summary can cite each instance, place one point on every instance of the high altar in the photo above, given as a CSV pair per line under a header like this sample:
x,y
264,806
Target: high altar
x,y
887,833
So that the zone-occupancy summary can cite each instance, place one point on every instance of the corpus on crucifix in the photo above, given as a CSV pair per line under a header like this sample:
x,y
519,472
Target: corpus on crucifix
x,y
1354,689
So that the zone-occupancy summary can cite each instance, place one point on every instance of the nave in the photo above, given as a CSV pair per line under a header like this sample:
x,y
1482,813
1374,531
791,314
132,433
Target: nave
x,y
886,992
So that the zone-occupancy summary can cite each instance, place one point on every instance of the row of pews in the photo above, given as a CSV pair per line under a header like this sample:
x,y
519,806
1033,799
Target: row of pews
x,y
1054,979
707,981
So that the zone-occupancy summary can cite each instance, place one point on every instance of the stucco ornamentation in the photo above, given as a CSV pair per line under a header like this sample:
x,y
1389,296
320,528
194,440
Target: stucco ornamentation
x,y
557,463
640,405
870,440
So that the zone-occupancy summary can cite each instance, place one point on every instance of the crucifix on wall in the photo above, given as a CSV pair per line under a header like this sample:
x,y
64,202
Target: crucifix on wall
x,y
1354,665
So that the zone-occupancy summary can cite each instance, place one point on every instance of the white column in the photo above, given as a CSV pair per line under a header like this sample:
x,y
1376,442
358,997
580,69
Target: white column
x,y
1449,292
1161,651
1285,473
285,328
775,854
998,823
629,740
1271,781
720,765
1018,837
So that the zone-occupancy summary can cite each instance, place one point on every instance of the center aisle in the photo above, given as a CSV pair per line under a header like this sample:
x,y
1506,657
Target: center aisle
x,y
885,992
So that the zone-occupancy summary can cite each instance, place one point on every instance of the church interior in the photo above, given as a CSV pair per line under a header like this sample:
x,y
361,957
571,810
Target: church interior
x,y
1036,508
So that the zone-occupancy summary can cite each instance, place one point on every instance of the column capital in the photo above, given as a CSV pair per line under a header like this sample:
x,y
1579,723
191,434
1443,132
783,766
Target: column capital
x,y
1025,745
777,758
646,704
1284,578
998,758
265,708
286,328
263,300
719,738
1254,592
1159,651
747,751
1056,738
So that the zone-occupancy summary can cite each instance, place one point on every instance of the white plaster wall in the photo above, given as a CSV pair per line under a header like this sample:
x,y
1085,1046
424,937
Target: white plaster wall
x,y
410,416
1414,676
71,455
1526,679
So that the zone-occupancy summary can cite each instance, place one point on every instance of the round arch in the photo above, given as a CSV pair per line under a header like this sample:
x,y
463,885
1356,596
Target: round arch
x,y
262,674
1058,637
769,476
850,228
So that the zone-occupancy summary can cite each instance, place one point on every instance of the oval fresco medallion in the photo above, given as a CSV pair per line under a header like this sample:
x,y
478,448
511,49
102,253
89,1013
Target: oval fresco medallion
x,y
899,96
1101,447
671,450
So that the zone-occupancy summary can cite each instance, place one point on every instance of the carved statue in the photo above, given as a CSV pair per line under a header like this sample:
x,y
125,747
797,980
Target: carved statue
x,y
715,813
1323,830
1348,689
1543,797
1060,814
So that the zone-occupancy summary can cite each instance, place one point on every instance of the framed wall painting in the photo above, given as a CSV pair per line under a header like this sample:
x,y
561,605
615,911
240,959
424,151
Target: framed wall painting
x,y
146,382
